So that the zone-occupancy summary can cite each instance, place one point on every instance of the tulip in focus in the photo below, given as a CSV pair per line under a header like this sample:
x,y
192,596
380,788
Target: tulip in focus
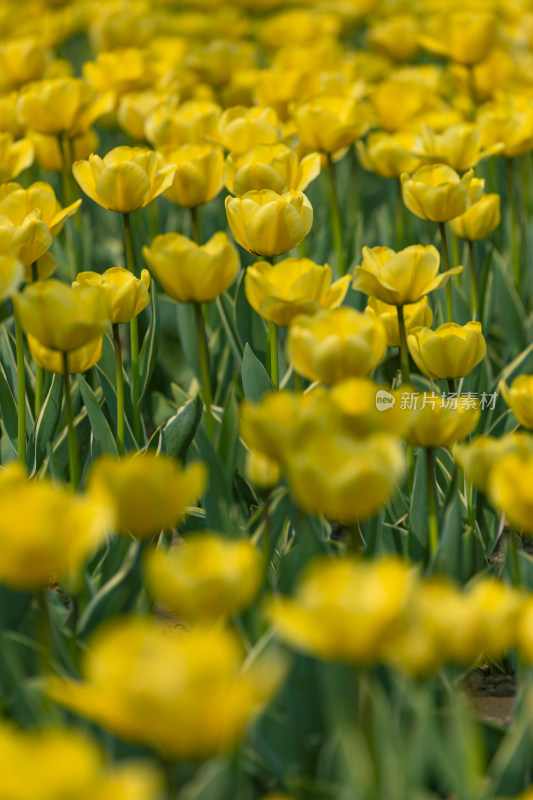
x,y
240,128
336,343
401,278
193,121
290,287
192,273
268,224
436,192
198,175
126,179
450,351
273,166
329,123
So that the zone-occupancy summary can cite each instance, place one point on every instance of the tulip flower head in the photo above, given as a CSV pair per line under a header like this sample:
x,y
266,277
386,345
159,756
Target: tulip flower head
x,y
450,351
519,398
436,192
126,295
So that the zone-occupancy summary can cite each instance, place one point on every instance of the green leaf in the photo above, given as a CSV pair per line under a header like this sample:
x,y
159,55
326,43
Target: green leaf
x,y
419,509
150,345
117,596
180,429
103,438
46,424
255,378
226,309
8,409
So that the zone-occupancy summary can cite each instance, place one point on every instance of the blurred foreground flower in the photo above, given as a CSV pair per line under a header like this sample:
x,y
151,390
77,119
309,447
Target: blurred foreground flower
x,y
519,398
150,492
509,489
437,421
478,457
79,360
55,533
53,763
205,579
186,695
62,106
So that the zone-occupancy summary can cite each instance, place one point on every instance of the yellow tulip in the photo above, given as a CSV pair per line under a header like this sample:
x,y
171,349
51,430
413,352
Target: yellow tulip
x,y
510,121
11,276
450,351
290,287
396,36
281,421
79,360
478,457
262,471
206,579
60,317
126,179
268,224
436,421
126,295
15,157
150,492
345,609
28,243
463,36
56,533
192,122
16,203
62,106
459,146
240,128
366,408
50,763
51,157
119,71
135,107
22,60
389,154
509,489
192,273
480,220
345,479
395,103
415,314
329,123
336,344
436,192
400,278
195,695
270,166
198,175
9,122
519,398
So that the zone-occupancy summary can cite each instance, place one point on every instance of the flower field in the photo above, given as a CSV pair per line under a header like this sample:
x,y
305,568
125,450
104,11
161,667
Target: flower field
x,y
266,399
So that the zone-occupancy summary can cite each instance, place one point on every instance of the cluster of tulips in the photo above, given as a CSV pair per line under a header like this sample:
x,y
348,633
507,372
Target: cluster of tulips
x,y
265,500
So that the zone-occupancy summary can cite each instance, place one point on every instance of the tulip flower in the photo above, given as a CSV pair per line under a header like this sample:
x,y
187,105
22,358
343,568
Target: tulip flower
x,y
14,156
478,457
334,598
450,351
11,276
336,343
126,295
198,175
509,489
262,471
193,122
150,492
415,314
135,107
205,580
435,421
61,106
462,36
395,36
22,60
389,154
51,157
56,533
480,220
240,128
436,192
290,287
328,123
519,398
268,224
396,102
197,679
79,360
53,762
126,179
16,203
273,166
459,146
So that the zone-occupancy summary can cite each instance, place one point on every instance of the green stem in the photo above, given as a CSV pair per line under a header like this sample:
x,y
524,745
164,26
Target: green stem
x,y
446,267
196,225
273,352
21,391
204,368
297,381
432,503
120,389
404,352
73,457
515,559
400,216
451,385
524,169
39,371
66,166
34,271
471,494
134,335
473,280
515,257
336,218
